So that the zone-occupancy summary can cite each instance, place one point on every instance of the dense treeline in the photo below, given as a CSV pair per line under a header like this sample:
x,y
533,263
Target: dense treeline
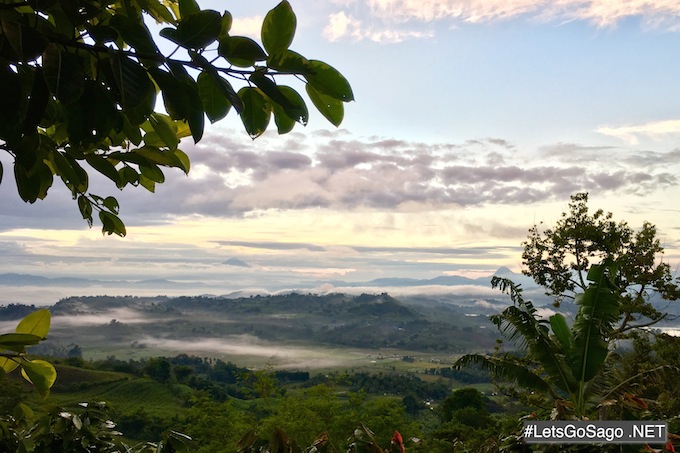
x,y
365,321
467,375
227,401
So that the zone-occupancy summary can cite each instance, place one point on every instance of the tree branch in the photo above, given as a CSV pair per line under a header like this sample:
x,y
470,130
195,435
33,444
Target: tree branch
x,y
161,58
625,328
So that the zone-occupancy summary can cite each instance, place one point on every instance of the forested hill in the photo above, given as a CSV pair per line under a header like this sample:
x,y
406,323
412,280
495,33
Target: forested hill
x,y
364,321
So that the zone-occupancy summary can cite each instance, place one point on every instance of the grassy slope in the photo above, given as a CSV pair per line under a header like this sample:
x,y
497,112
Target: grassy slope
x,y
125,393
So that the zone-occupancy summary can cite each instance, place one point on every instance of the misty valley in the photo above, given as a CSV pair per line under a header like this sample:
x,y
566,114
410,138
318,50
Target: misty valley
x,y
246,374
283,331
157,362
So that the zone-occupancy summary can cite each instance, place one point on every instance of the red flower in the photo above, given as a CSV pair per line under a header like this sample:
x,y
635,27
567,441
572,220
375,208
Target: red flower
x,y
398,441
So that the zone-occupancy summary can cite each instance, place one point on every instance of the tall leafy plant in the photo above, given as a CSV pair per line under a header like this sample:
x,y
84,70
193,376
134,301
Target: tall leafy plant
x,y
562,361
559,258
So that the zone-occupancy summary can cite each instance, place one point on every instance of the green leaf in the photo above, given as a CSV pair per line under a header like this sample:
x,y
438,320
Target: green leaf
x,y
183,160
155,155
135,33
188,7
214,101
256,111
63,74
64,169
284,121
77,422
165,129
101,111
227,90
132,79
598,307
37,103
295,110
152,172
196,117
41,374
241,51
103,166
82,176
178,442
18,341
175,94
289,61
561,331
111,224
101,33
26,42
159,11
27,186
332,109
198,30
327,80
278,28
178,70
93,116
8,365
85,207
131,132
11,95
128,175
147,183
111,204
181,97
226,25
32,183
36,323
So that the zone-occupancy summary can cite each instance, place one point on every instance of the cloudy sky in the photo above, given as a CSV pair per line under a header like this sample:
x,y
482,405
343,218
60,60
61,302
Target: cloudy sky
x,y
473,120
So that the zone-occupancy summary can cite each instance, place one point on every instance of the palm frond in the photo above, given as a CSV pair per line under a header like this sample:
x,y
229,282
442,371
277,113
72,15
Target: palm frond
x,y
520,324
507,369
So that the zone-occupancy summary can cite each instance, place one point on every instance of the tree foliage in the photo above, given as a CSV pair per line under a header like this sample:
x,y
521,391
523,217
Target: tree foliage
x,y
85,429
563,361
79,82
30,331
609,272
559,258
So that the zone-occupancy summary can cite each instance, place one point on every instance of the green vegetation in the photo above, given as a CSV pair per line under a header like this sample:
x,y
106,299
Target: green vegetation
x,y
561,258
31,330
285,330
79,81
574,372
595,359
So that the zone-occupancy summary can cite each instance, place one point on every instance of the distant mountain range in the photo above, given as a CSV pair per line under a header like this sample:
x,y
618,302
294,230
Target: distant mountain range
x,y
13,279
35,280
442,280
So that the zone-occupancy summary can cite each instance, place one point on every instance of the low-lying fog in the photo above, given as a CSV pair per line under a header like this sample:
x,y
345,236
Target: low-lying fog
x,y
48,295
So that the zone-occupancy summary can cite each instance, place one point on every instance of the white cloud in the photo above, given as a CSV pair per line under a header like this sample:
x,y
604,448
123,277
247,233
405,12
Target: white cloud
x,y
466,10
338,25
341,25
247,26
383,19
632,134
